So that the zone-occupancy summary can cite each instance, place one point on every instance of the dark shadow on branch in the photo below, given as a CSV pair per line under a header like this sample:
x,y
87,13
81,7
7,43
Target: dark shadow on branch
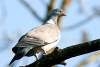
x,y
58,56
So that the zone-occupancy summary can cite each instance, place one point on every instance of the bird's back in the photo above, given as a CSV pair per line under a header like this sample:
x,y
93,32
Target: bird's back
x,y
47,32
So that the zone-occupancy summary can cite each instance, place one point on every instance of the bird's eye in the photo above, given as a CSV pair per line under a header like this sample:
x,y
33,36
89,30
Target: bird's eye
x,y
60,11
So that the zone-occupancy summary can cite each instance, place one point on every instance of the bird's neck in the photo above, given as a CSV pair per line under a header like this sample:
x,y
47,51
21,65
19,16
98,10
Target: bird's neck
x,y
52,20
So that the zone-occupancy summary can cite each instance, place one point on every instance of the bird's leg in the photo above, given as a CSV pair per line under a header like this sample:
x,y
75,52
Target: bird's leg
x,y
44,53
36,57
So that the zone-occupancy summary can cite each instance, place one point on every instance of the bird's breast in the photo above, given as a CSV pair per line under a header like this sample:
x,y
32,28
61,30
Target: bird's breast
x,y
48,47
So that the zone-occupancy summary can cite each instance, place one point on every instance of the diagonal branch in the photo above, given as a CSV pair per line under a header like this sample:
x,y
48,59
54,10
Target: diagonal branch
x,y
95,14
83,22
3,12
58,56
64,6
32,11
44,3
81,6
51,6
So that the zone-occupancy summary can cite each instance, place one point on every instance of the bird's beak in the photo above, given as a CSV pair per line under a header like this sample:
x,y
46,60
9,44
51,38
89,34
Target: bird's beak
x,y
63,14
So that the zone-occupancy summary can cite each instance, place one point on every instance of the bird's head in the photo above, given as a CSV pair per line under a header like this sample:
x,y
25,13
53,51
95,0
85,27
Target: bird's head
x,y
53,16
58,12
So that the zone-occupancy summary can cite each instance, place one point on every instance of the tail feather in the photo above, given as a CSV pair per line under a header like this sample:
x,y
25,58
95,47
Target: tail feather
x,y
20,54
16,57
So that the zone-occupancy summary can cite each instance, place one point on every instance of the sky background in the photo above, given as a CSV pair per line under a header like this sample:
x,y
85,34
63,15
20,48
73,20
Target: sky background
x,y
19,19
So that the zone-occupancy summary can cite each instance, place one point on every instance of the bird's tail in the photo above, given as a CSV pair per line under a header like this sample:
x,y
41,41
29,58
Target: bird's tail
x,y
22,52
16,57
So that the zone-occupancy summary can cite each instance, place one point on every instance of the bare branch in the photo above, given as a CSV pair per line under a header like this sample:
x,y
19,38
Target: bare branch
x,y
7,40
51,6
90,59
95,14
85,36
3,13
81,6
80,23
64,6
44,3
58,56
96,11
32,11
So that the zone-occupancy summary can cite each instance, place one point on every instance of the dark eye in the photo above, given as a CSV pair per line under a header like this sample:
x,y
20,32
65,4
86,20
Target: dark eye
x,y
60,10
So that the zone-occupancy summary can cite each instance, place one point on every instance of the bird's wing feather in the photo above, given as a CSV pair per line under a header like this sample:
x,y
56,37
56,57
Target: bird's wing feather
x,y
26,41
39,36
47,32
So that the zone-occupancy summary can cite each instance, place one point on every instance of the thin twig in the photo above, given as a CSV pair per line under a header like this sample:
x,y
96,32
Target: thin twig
x,y
77,25
3,12
51,6
81,6
32,11
64,6
44,3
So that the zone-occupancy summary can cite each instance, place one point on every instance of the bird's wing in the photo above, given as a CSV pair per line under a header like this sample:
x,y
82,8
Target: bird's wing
x,y
39,36
47,33
29,41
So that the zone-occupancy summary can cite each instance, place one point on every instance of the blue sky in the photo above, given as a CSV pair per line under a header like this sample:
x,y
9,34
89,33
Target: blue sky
x,y
19,19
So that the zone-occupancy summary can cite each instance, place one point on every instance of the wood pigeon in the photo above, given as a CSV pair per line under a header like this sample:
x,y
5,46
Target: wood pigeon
x,y
39,39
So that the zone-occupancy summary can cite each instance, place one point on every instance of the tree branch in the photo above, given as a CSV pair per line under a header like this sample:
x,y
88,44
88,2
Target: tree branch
x,y
83,22
64,6
51,6
80,23
58,56
3,13
44,3
32,11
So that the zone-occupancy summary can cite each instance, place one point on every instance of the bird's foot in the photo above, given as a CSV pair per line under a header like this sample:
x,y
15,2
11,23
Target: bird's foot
x,y
63,63
57,49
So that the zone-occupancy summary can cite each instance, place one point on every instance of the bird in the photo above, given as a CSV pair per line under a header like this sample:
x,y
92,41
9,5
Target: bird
x,y
40,39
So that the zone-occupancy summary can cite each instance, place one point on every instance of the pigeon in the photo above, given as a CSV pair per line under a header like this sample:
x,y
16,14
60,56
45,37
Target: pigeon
x,y
40,39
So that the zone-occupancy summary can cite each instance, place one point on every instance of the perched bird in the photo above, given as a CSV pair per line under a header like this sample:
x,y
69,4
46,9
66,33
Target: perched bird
x,y
39,39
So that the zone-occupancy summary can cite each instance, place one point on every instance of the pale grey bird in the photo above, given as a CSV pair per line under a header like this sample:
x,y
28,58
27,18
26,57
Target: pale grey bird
x,y
40,39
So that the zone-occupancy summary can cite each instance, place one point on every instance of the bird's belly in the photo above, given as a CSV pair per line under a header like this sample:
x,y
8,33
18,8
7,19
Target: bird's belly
x,y
48,47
